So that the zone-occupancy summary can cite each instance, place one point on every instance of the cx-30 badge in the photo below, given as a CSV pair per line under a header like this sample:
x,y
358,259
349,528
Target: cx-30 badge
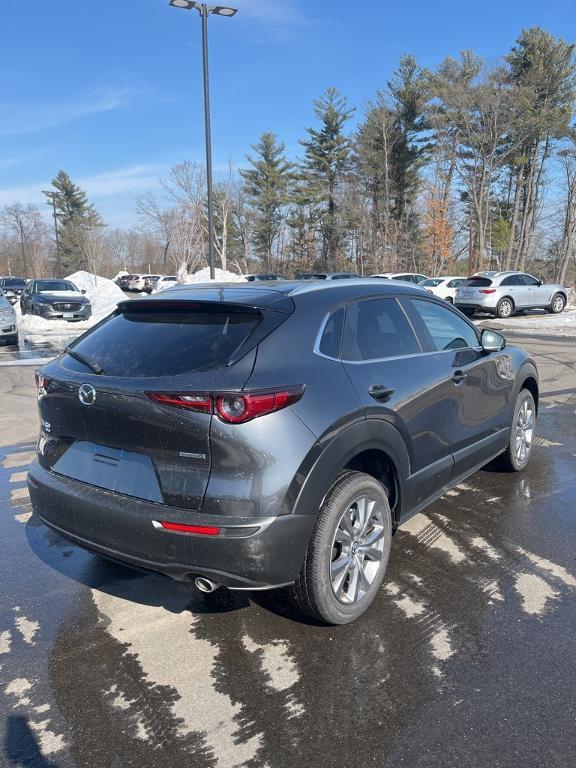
x,y
87,394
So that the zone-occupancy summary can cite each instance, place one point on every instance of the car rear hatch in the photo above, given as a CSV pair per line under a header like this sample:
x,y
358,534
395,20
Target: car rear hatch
x,y
474,288
107,405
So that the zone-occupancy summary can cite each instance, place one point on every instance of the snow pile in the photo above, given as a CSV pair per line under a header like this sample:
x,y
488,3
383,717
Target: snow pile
x,y
104,294
563,324
221,276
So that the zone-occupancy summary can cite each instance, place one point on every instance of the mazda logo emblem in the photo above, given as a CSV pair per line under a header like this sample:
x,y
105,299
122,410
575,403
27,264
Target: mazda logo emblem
x,y
87,394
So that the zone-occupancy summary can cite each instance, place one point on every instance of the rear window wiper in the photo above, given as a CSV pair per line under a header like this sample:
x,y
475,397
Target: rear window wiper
x,y
88,363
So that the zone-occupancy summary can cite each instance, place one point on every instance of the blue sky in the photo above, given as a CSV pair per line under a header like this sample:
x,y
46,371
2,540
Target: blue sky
x,y
111,91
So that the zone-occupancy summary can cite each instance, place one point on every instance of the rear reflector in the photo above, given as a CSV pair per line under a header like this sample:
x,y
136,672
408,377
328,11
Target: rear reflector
x,y
233,408
203,530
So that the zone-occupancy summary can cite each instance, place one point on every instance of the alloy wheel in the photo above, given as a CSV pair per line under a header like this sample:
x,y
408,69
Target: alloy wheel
x,y
524,431
558,304
505,308
357,550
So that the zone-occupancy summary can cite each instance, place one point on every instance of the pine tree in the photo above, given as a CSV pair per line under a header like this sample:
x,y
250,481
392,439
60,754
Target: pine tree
x,y
267,185
326,164
75,215
409,94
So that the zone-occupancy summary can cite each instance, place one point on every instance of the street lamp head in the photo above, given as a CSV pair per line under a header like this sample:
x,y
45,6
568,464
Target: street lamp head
x,y
188,5
222,10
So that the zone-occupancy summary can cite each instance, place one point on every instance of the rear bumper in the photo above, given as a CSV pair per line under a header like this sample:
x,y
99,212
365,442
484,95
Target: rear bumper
x,y
249,553
487,304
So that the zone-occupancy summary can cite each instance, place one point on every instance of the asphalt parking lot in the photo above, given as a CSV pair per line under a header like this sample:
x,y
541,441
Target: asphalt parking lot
x,y
467,657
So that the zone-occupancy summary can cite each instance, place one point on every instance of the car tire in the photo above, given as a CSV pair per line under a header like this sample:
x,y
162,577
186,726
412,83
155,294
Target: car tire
x,y
505,308
348,552
557,304
522,429
449,299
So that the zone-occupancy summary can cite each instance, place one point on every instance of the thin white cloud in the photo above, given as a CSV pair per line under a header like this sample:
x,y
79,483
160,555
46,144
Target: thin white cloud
x,y
280,12
18,119
133,180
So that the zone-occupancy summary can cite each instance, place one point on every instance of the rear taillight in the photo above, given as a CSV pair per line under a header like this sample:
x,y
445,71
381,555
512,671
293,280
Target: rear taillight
x,y
488,290
42,383
199,530
233,408
192,402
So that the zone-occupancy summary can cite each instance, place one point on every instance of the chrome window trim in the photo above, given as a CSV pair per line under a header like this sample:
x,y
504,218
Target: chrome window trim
x,y
417,354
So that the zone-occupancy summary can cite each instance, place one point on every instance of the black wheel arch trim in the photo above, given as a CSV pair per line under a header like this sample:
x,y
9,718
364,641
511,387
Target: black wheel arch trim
x,y
324,463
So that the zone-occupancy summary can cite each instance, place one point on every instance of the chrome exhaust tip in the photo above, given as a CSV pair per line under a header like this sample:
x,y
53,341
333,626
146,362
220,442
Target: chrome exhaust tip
x,y
205,585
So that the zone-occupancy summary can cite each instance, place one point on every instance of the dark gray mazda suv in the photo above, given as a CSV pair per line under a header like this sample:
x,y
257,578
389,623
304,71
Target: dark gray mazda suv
x,y
255,436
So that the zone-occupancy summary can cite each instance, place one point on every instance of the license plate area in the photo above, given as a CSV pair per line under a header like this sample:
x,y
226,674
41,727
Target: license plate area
x,y
125,472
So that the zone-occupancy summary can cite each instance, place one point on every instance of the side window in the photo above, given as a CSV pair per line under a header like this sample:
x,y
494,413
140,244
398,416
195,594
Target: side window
x,y
377,329
332,335
455,283
400,277
447,329
512,280
528,280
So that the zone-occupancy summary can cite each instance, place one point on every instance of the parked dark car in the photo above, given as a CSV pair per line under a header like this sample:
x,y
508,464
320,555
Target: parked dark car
x,y
124,280
151,282
325,275
264,278
55,299
259,436
13,287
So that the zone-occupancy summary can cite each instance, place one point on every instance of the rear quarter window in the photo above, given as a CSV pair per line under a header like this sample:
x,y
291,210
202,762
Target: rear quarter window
x,y
331,340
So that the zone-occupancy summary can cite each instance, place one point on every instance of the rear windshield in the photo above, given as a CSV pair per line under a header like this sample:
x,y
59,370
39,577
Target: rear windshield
x,y
14,282
166,341
478,282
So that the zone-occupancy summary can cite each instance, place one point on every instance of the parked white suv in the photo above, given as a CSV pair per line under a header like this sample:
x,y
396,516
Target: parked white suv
x,y
443,287
504,293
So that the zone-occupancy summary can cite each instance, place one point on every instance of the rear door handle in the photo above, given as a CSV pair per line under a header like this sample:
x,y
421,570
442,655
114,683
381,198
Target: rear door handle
x,y
380,392
459,376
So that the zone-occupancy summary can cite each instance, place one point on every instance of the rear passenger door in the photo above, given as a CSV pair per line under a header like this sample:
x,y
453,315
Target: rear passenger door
x,y
401,383
477,386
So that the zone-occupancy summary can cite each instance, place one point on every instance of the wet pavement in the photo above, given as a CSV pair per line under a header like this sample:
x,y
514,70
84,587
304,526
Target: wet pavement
x,y
467,657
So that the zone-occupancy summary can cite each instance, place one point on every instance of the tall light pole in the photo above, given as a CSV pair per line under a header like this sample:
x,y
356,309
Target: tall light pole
x,y
219,10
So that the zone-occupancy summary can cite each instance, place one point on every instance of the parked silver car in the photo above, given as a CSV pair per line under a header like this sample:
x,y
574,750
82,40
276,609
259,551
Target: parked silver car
x,y
8,322
504,293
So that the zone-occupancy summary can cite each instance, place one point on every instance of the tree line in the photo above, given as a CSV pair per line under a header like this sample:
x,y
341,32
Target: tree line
x,y
455,169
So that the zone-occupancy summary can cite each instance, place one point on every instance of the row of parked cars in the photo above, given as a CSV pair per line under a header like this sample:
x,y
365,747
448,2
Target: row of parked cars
x,y
501,294
497,293
144,283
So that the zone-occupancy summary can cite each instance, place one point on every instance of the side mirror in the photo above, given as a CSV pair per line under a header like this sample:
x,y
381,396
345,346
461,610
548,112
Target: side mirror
x,y
83,292
492,341
540,282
